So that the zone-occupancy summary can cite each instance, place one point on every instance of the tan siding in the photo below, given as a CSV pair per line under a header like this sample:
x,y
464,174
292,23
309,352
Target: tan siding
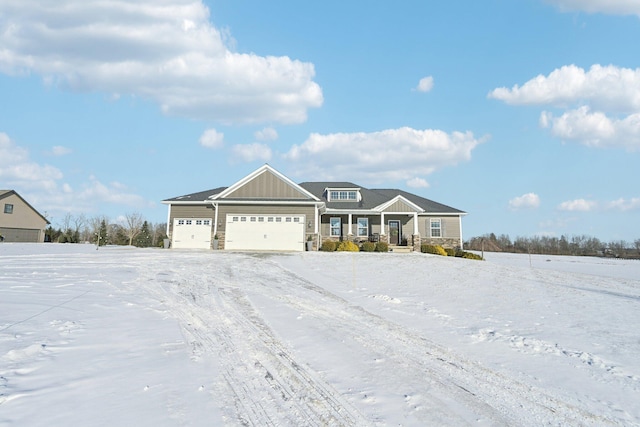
x,y
190,211
269,186
23,216
308,211
399,206
450,226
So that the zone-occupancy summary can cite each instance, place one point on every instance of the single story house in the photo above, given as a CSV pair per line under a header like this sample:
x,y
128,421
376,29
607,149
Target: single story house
x,y
265,210
19,221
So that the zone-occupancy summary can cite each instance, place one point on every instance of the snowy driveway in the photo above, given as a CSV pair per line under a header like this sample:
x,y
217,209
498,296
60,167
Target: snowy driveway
x,y
122,336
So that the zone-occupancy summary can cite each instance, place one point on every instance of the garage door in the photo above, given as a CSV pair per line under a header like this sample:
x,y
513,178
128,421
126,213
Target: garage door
x,y
265,232
191,233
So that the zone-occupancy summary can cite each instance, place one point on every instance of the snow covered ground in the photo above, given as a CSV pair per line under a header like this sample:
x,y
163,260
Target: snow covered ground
x,y
132,337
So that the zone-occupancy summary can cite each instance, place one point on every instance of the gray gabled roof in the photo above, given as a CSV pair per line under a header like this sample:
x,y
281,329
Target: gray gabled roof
x,y
372,198
429,206
197,197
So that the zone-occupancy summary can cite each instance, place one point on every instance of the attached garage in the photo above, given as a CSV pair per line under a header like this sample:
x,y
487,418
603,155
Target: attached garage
x,y
191,233
265,232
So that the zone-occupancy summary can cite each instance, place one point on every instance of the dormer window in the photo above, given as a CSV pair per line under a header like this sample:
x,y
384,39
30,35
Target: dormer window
x,y
343,195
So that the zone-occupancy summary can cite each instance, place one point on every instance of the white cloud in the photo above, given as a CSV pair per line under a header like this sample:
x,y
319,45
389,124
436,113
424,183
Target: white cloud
x,y
252,152
609,87
266,134
425,84
18,171
389,155
578,205
595,104
613,7
167,52
526,201
42,185
417,183
625,205
59,150
594,128
211,138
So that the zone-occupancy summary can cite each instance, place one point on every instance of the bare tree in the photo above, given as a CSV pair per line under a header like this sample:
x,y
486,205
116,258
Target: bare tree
x,y
95,225
133,225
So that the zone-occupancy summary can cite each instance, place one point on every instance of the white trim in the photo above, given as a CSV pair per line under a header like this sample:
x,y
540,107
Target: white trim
x,y
358,226
168,220
399,197
257,173
331,228
461,239
431,220
215,219
350,227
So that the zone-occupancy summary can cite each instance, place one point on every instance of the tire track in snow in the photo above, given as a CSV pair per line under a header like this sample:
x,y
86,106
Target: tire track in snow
x,y
492,395
266,384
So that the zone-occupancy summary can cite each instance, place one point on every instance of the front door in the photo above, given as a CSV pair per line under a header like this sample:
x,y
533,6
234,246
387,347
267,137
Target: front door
x,y
394,232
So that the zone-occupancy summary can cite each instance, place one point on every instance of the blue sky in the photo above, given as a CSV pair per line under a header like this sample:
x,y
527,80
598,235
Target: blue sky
x,y
525,114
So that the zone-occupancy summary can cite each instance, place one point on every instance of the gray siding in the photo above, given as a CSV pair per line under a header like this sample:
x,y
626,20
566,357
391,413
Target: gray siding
x,y
267,186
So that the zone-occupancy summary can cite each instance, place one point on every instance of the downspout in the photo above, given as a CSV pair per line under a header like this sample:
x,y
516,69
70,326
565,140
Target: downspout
x,y
215,218
461,239
168,220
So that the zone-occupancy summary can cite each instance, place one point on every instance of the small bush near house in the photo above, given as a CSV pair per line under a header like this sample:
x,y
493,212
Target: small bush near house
x,y
328,246
382,247
348,246
469,255
368,247
450,251
433,249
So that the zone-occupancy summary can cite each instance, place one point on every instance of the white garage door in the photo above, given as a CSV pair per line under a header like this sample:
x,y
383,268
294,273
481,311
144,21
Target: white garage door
x,y
191,233
265,232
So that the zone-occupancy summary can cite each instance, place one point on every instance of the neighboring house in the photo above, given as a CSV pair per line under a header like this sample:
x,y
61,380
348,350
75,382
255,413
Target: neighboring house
x,y
19,221
267,211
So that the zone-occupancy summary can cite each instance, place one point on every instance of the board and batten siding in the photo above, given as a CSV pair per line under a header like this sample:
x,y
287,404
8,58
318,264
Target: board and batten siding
x,y
266,186
224,210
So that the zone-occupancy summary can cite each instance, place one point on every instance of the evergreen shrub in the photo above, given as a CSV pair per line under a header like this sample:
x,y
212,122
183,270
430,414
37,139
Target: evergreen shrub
x,y
348,246
368,247
382,247
432,249
328,246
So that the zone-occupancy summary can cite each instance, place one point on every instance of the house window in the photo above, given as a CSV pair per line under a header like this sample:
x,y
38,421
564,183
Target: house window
x,y
343,195
270,219
363,227
207,222
188,222
8,208
198,222
436,227
181,222
335,225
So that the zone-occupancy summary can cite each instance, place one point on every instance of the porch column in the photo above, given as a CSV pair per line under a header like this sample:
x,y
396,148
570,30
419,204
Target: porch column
x,y
415,223
382,233
349,230
316,220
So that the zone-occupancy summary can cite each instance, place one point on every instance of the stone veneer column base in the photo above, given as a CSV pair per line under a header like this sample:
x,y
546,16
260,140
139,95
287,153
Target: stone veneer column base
x,y
417,242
